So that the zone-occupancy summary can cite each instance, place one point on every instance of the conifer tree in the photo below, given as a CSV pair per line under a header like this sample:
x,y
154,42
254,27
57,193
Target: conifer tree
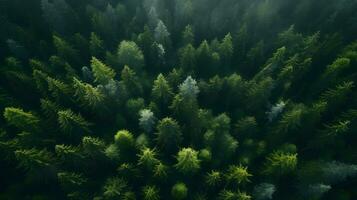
x,y
161,92
64,49
226,49
59,90
33,159
20,119
147,120
188,58
169,134
96,45
280,163
131,82
179,191
130,54
147,158
151,192
188,36
238,175
187,161
101,72
87,94
72,123
162,36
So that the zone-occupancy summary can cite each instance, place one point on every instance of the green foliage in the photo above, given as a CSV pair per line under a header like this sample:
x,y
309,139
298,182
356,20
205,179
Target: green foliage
x,y
150,193
246,126
161,171
183,99
162,36
147,120
130,54
169,134
237,174
188,36
188,57
179,191
213,178
291,120
161,91
32,159
187,161
226,49
21,119
87,94
114,188
230,195
219,140
281,163
58,89
131,82
96,45
124,140
70,181
64,49
101,72
189,89
71,122
147,158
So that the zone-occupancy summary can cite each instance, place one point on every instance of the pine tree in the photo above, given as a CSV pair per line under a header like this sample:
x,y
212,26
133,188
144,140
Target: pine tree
x,y
102,73
179,191
32,159
161,92
188,36
20,119
219,140
131,82
280,163
205,58
50,109
187,161
59,90
124,140
96,45
213,178
147,120
40,79
336,96
130,54
276,110
162,35
114,188
169,135
64,49
72,123
237,174
189,89
226,50
187,57
151,192
87,94
71,181
147,158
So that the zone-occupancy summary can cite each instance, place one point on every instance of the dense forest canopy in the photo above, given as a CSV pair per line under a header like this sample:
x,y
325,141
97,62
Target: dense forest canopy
x,y
178,99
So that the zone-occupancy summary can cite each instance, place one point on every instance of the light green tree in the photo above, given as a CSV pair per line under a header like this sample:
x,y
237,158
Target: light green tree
x,y
102,73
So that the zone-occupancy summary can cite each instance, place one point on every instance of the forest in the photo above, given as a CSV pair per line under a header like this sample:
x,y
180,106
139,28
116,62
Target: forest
x,y
178,99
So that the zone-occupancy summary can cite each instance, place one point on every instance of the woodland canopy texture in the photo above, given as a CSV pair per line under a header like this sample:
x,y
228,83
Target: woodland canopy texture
x,y
178,99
